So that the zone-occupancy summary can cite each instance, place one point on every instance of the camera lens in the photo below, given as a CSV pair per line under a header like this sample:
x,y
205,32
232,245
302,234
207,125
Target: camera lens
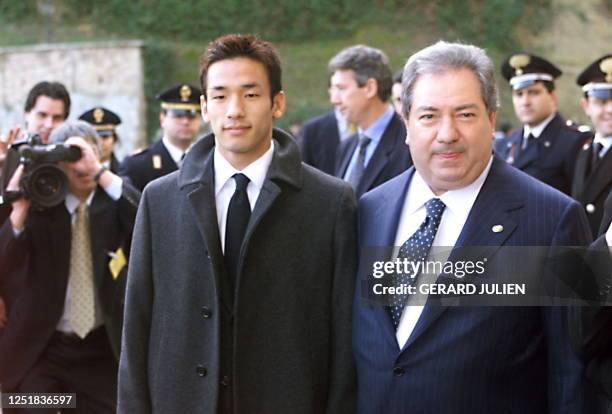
x,y
47,185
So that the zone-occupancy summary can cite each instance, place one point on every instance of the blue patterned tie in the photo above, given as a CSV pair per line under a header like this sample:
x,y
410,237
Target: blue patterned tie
x,y
416,249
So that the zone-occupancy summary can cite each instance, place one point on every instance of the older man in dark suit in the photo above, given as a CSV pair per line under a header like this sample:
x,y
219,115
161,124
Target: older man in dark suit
x,y
429,356
240,299
63,330
360,88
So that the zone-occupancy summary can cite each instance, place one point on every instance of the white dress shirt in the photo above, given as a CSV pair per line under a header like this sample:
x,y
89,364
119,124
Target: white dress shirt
x,y
225,185
537,130
175,152
606,142
71,202
458,205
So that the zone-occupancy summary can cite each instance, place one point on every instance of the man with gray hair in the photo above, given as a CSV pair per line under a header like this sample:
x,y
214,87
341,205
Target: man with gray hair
x,y
427,356
63,331
360,87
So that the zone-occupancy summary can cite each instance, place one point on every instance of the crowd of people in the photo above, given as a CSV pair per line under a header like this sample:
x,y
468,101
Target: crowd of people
x,y
232,273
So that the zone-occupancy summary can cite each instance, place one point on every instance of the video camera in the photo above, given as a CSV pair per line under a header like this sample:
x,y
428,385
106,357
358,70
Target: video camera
x,y
43,181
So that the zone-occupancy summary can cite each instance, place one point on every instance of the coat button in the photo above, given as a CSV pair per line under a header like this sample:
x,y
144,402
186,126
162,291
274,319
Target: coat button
x,y
590,208
206,312
207,254
225,381
398,371
201,371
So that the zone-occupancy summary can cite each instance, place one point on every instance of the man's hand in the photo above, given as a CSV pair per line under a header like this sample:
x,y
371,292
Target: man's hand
x,y
89,163
20,205
3,317
6,141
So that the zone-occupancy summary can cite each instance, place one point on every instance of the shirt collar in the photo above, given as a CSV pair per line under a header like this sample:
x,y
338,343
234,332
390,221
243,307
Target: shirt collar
x,y
537,130
605,141
255,171
72,202
175,152
459,201
376,130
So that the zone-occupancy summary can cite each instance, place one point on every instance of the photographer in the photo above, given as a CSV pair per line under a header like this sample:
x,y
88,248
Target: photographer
x,y
63,331
47,106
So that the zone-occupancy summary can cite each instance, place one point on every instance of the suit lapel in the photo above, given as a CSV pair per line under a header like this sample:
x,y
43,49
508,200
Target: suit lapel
x,y
100,206
381,231
345,153
168,164
380,158
495,205
202,202
59,233
580,172
600,178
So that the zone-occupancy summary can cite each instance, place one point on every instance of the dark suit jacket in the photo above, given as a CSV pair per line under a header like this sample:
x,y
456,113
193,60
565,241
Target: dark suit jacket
x,y
292,305
591,326
318,142
472,359
592,185
40,257
552,159
392,157
115,165
143,167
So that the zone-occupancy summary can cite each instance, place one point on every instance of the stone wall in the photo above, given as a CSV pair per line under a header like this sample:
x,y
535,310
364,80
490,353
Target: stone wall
x,y
108,74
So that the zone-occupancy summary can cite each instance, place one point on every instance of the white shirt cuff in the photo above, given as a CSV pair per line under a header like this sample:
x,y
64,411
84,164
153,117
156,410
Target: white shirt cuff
x,y
115,189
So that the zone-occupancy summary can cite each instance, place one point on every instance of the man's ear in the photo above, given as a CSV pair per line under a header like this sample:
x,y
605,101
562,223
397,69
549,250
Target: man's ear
x,y
585,106
203,108
278,105
371,88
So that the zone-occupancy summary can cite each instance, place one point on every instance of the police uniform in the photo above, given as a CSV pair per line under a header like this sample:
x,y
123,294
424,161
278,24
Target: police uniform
x,y
155,161
104,122
593,175
551,157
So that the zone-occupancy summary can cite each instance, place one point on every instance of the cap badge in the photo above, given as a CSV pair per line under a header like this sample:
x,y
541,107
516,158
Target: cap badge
x,y
185,93
606,67
518,62
98,115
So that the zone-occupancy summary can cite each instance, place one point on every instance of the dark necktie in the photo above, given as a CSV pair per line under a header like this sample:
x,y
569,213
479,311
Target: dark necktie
x,y
357,172
526,141
416,249
238,215
597,147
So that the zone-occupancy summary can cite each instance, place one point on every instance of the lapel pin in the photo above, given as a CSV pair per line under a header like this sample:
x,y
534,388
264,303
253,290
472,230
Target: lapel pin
x,y
498,228
547,144
586,147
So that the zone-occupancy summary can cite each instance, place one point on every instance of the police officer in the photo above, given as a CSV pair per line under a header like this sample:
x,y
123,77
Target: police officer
x,y
546,147
105,123
180,121
593,175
